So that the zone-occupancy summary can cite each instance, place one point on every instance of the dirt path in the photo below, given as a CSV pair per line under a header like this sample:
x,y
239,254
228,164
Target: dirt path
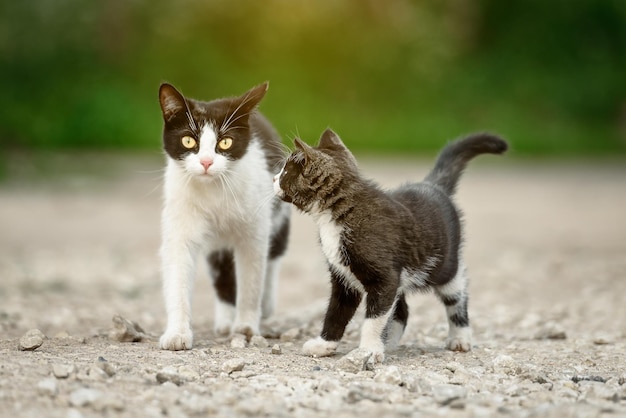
x,y
545,248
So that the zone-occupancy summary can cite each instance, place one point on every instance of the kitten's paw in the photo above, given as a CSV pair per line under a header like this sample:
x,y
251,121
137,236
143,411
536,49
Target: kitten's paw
x,y
319,347
176,340
460,340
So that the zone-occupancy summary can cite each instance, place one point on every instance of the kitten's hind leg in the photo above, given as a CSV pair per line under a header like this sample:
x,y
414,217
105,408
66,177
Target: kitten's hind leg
x,y
270,288
397,323
454,296
222,269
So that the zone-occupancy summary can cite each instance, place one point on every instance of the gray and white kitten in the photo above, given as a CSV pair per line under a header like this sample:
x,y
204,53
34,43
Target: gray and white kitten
x,y
381,245
219,204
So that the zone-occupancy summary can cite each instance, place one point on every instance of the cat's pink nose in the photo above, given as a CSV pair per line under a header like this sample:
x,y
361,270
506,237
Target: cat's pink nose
x,y
206,163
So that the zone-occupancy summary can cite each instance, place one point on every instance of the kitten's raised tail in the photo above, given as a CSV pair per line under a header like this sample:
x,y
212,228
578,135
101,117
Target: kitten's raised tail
x,y
455,156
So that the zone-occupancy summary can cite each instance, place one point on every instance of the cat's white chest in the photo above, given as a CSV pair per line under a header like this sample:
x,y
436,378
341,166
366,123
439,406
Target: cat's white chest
x,y
332,247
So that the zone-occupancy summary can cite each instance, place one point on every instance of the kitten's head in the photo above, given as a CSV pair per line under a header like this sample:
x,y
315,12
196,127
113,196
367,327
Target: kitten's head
x,y
207,138
312,175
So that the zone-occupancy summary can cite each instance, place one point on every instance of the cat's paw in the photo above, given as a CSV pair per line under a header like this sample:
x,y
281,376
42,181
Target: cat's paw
x,y
460,340
319,347
176,340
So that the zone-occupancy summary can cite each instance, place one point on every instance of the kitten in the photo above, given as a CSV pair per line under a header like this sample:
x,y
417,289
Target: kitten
x,y
382,245
219,203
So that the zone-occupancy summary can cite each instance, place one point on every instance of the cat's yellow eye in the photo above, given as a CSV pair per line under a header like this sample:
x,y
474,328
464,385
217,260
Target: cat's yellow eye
x,y
225,143
188,142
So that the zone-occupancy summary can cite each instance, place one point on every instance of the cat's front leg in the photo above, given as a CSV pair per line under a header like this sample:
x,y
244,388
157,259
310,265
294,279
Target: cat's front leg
x,y
341,307
178,257
177,289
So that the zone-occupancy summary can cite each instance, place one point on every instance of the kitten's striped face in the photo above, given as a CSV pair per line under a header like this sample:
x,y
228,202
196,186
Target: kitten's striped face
x,y
206,138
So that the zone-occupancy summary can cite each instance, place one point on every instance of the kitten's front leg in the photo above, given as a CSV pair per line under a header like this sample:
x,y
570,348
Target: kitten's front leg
x,y
341,307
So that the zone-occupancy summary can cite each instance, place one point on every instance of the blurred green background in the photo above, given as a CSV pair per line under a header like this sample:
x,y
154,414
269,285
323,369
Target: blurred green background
x,y
389,76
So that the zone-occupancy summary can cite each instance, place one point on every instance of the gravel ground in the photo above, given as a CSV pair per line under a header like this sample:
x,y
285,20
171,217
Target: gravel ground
x,y
545,249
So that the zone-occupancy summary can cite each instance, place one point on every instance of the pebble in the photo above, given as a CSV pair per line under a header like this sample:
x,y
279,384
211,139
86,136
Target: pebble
x,y
259,341
84,397
276,349
188,373
505,364
62,371
238,341
355,361
445,394
291,334
390,375
233,365
48,387
105,366
551,331
32,340
124,330
169,374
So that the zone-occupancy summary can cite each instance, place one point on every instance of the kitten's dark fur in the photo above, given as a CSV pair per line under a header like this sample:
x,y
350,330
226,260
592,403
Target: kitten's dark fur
x,y
380,244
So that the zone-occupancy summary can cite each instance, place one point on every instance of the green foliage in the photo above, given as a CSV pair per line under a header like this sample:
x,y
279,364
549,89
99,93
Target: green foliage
x,y
387,76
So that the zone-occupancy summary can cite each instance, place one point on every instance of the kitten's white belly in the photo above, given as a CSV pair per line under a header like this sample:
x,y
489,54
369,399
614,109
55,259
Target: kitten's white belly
x,y
330,239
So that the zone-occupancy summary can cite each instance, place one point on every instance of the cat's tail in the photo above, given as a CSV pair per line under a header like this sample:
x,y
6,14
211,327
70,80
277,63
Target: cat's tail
x,y
455,156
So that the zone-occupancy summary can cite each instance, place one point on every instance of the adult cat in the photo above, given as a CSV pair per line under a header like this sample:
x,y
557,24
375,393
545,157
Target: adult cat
x,y
383,244
221,156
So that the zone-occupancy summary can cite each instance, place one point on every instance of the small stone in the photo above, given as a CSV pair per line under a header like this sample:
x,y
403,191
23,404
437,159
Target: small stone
x,y
259,341
32,340
188,373
62,334
290,335
233,365
126,331
62,371
238,341
505,364
602,340
105,366
83,397
48,387
390,375
169,374
276,349
446,394
551,331
355,361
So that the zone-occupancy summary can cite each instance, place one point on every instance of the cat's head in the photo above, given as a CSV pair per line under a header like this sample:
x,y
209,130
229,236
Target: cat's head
x,y
206,138
312,176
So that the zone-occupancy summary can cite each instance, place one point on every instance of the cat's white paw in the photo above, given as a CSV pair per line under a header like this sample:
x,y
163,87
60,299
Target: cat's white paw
x,y
224,317
460,339
176,340
378,353
319,347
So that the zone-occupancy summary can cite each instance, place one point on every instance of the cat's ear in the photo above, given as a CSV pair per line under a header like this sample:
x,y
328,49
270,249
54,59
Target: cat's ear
x,y
250,99
172,102
306,149
330,140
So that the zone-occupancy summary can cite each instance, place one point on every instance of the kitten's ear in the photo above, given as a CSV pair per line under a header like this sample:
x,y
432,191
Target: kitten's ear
x,y
172,102
331,140
250,99
304,147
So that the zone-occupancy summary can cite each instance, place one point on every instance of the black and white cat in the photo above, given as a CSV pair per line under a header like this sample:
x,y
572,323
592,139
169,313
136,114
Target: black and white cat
x,y
219,204
383,245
